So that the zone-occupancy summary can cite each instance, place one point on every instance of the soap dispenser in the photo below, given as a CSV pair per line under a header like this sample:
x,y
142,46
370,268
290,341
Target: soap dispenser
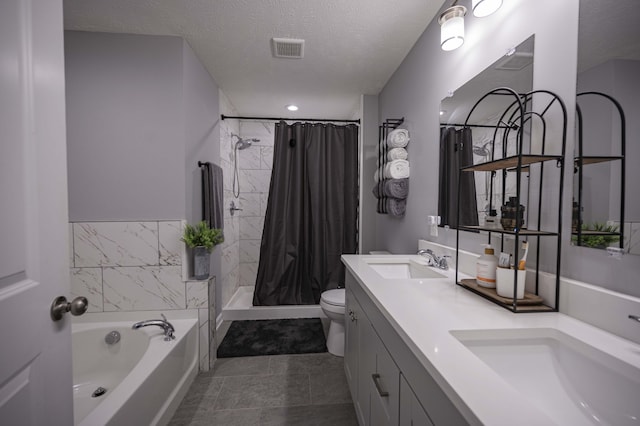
x,y
486,266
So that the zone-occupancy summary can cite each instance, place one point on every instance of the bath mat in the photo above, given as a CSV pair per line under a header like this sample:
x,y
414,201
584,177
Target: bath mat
x,y
273,337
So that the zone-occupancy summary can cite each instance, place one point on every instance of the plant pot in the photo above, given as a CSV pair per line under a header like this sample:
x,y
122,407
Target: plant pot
x,y
201,262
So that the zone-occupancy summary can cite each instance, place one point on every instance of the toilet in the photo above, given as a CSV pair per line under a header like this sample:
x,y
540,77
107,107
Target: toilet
x,y
332,304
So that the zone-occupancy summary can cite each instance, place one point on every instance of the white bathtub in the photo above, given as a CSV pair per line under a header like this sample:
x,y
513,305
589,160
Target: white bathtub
x,y
145,377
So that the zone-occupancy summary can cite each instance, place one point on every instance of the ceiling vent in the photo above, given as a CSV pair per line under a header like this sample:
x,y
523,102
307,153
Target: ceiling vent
x,y
516,61
287,48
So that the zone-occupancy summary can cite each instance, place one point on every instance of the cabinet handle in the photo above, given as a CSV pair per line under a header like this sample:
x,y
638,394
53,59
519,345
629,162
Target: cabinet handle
x,y
376,381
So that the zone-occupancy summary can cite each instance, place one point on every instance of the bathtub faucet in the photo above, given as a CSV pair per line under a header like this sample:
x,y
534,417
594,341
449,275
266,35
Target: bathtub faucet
x,y
163,323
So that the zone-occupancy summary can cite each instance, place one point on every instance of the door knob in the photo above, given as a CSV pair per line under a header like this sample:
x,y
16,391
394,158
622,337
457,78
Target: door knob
x,y
60,306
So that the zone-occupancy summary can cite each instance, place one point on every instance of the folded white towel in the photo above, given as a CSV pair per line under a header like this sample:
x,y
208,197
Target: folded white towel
x,y
397,154
397,169
398,138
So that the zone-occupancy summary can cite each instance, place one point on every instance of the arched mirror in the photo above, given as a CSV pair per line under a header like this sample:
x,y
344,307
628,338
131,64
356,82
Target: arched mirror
x,y
606,202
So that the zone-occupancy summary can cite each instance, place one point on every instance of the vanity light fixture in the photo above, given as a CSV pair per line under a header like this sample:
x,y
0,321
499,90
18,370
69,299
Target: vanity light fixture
x,y
452,27
482,8
292,107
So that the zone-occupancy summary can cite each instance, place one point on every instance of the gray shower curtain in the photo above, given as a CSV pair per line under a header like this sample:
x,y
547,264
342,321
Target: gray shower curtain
x,y
456,150
311,216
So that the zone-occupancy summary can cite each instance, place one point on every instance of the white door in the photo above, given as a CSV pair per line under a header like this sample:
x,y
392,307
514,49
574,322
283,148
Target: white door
x,y
35,352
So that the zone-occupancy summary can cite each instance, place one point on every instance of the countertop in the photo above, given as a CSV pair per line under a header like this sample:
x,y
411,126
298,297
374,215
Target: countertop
x,y
424,312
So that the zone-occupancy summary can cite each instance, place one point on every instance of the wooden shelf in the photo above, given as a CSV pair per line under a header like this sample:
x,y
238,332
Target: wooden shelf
x,y
593,159
510,163
594,233
530,303
525,232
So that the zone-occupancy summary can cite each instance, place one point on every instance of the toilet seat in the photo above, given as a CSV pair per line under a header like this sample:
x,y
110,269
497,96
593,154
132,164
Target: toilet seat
x,y
333,297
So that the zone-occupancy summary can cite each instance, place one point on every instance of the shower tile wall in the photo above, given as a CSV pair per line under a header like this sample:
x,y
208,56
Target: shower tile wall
x,y
137,266
230,266
255,176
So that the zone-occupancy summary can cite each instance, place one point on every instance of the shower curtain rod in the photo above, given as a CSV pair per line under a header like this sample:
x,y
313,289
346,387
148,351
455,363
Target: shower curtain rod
x,y
475,125
223,117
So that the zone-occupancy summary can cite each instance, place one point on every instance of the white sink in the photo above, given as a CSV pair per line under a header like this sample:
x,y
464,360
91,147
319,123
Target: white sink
x,y
573,382
403,269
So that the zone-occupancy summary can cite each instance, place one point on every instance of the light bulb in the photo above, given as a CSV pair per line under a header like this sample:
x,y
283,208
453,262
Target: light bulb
x,y
482,8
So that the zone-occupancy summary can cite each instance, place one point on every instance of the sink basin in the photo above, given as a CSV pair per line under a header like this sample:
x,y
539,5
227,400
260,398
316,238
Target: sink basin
x,y
403,269
573,382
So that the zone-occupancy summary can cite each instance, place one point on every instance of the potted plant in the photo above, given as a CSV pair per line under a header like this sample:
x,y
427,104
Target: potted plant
x,y
202,240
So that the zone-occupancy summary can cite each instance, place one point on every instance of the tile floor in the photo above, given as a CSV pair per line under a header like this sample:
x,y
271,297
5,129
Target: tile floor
x,y
308,390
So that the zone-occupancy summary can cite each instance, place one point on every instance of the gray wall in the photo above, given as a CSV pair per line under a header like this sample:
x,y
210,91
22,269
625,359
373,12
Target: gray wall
x,y
141,112
125,126
369,158
425,77
201,112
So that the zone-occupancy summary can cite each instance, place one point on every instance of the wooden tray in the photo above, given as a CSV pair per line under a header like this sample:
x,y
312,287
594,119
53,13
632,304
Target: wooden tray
x,y
529,299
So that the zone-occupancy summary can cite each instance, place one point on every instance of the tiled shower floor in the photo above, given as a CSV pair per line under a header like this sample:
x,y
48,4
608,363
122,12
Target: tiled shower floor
x,y
308,390
240,307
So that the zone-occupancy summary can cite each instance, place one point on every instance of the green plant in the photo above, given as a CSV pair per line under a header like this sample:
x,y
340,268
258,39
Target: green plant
x,y
598,241
202,235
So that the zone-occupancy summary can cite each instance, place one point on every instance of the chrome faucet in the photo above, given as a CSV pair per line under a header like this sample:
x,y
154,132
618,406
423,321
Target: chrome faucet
x,y
162,323
433,260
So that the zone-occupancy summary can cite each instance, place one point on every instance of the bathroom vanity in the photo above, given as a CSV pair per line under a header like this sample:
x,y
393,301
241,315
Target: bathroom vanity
x,y
381,380
421,350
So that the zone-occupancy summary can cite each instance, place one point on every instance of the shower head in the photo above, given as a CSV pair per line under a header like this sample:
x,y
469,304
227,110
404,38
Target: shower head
x,y
243,143
482,150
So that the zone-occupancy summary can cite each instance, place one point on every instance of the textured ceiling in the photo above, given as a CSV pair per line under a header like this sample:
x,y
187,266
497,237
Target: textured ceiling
x,y
352,47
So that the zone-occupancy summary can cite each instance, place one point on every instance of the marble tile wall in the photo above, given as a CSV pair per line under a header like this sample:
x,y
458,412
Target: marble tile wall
x,y
255,178
243,230
230,266
137,266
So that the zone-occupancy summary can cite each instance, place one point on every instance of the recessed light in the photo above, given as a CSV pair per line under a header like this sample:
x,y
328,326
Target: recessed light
x,y
292,107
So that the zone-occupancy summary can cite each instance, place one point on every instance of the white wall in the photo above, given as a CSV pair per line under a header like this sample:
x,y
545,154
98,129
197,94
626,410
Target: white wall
x,y
428,73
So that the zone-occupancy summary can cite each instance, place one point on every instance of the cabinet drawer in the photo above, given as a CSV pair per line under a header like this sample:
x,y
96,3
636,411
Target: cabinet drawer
x,y
384,385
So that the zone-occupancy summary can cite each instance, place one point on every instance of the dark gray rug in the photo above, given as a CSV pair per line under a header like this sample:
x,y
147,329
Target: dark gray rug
x,y
273,337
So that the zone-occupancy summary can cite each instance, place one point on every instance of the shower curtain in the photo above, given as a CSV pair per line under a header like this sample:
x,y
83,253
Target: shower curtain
x,y
311,216
456,150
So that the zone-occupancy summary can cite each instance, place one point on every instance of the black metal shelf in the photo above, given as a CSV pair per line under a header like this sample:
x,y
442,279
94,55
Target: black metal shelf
x,y
594,233
593,159
522,231
518,115
581,160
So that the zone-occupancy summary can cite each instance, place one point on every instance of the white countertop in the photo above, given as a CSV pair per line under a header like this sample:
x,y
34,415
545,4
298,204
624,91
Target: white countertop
x,y
423,312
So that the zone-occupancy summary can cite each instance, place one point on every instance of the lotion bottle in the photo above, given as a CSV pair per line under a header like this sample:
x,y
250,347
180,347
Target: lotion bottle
x,y
486,266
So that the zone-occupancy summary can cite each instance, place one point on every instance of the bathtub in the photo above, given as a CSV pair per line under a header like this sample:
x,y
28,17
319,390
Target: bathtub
x,y
145,378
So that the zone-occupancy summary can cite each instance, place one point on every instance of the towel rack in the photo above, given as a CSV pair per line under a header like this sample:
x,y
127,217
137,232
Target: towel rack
x,y
203,163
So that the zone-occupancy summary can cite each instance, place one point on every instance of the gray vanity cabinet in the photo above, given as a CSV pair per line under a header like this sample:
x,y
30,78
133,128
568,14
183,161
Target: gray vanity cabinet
x,y
353,312
388,385
411,412
374,378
